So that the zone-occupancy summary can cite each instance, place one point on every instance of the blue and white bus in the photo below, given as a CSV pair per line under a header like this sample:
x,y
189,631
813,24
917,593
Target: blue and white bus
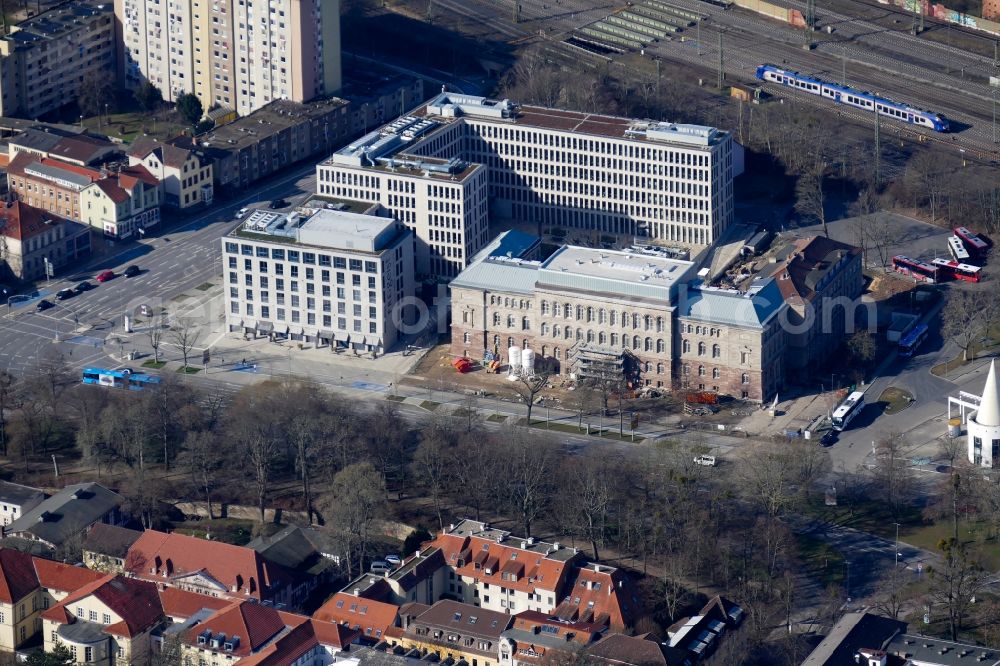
x,y
909,342
123,379
847,410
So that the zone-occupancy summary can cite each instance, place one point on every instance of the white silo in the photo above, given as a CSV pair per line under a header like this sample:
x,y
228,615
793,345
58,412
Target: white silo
x,y
528,363
514,356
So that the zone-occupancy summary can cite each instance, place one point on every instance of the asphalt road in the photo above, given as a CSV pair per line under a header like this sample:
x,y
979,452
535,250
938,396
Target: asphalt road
x,y
177,258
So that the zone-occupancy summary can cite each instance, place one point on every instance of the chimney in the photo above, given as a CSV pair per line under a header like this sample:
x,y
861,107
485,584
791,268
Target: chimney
x,y
357,592
555,546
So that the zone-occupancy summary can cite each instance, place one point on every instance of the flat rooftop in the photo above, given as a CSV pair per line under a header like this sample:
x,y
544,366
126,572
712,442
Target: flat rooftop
x,y
638,272
321,228
268,120
447,106
56,22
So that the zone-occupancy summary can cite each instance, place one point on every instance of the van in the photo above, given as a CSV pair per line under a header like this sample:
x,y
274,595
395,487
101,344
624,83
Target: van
x,y
380,567
708,461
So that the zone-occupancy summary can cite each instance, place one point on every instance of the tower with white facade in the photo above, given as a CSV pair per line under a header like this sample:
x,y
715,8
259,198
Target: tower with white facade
x,y
984,424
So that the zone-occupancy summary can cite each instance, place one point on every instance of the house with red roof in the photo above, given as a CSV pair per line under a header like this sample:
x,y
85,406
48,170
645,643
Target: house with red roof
x,y
187,174
212,568
30,237
251,633
122,202
372,618
109,621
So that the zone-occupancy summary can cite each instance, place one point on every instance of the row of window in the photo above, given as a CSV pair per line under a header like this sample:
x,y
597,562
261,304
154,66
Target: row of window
x,y
295,256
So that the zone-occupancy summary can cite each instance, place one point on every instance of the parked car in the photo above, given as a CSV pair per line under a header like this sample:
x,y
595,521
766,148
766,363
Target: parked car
x,y
63,294
104,276
131,271
241,213
380,567
279,203
707,461
82,287
145,310
829,438
5,291
43,305
394,560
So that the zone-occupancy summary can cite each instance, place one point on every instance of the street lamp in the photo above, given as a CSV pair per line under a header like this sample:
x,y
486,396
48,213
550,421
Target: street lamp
x,y
895,548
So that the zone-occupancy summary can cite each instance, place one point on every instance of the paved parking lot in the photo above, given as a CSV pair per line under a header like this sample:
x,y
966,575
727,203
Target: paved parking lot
x,y
909,236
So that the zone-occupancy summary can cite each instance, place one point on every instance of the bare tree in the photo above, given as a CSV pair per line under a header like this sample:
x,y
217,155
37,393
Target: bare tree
x,y
527,470
202,460
155,334
962,320
956,582
811,191
892,472
432,461
185,335
356,501
528,388
8,390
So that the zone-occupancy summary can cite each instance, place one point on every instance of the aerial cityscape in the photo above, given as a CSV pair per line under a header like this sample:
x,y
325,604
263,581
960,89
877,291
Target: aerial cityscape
x,y
499,333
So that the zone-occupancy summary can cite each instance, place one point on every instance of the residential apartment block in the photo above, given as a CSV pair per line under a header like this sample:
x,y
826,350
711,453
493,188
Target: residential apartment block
x,y
186,174
31,236
45,59
487,568
272,138
239,54
557,169
340,277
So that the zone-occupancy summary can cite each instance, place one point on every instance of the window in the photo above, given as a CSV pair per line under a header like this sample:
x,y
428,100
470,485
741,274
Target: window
x,y
686,346
92,616
716,351
746,378
106,619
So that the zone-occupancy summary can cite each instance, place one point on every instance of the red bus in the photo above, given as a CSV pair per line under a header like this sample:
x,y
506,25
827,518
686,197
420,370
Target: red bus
x,y
919,270
975,244
956,270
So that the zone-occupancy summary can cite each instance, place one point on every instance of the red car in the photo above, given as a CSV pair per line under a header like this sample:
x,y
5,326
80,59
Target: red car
x,y
104,276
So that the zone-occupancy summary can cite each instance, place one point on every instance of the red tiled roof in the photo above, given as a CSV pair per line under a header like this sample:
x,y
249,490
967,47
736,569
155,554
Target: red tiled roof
x,y
17,575
603,597
63,577
477,554
135,601
254,623
133,174
181,604
298,641
25,159
20,221
113,190
163,557
628,650
368,616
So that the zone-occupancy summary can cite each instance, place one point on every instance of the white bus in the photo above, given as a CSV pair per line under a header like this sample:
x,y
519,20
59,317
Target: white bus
x,y
957,249
847,410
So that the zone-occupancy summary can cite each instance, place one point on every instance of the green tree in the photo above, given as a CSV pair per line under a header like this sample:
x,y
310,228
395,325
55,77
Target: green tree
x,y
190,108
60,656
414,539
148,96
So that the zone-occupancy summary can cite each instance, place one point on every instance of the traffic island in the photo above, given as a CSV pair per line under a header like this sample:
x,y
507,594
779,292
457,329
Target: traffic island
x,y
895,400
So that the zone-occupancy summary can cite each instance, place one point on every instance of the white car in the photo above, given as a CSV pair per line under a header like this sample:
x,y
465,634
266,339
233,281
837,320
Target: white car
x,y
241,213
708,461
394,560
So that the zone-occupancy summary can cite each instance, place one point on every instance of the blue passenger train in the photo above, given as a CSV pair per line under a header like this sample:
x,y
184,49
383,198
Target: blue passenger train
x,y
851,97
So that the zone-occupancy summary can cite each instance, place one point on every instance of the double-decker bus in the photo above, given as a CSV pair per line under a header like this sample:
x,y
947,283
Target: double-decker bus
x,y
123,379
909,342
973,243
956,270
957,249
847,410
919,270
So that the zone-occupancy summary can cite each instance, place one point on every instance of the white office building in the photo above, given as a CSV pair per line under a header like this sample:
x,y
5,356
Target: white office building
x,y
631,179
337,278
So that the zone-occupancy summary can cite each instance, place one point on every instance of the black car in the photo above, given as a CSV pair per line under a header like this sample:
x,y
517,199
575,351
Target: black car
x,y
829,439
63,294
82,287
131,271
43,305
279,203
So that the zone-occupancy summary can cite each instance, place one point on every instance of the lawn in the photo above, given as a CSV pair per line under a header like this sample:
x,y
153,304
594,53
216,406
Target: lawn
x,y
128,125
205,286
895,400
976,534
822,561
156,365
497,418
991,337
869,515
430,405
395,398
188,370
